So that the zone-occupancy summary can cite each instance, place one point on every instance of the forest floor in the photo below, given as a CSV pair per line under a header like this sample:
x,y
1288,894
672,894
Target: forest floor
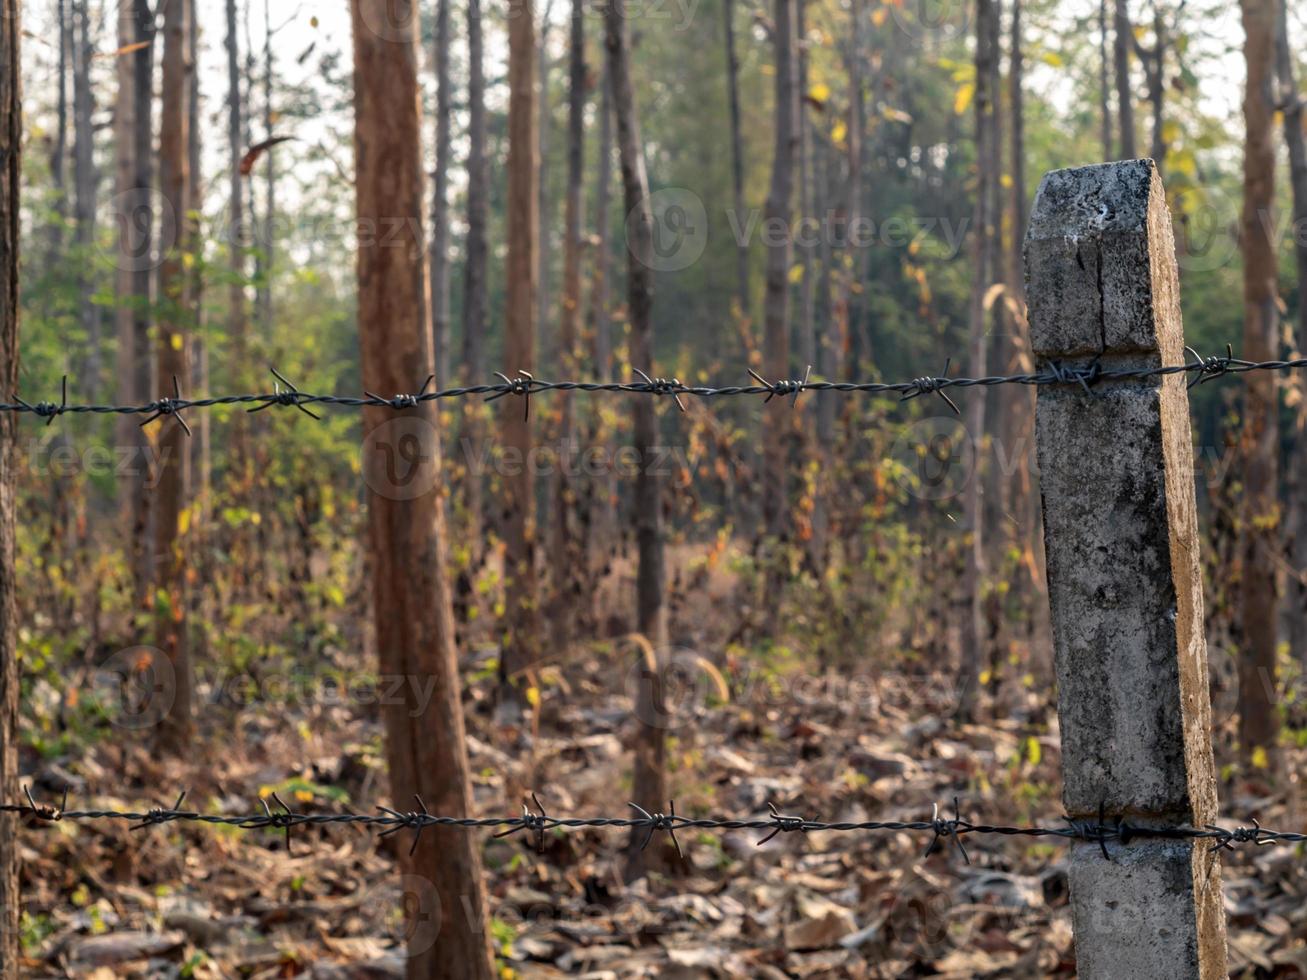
x,y
837,744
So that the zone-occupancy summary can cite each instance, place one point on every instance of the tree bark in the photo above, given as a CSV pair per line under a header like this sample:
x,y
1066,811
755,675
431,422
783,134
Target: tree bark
x,y
545,221
1154,61
59,149
440,199
1292,107
173,487
11,141
737,159
1258,718
1125,106
984,275
425,743
779,212
474,270
202,443
127,430
806,344
601,321
649,783
268,243
521,644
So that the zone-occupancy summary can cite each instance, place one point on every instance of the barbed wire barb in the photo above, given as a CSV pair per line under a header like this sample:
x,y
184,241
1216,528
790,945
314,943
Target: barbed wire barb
x,y
288,396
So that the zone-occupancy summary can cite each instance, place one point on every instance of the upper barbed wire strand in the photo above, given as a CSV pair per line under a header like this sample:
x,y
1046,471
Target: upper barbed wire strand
x,y
1202,369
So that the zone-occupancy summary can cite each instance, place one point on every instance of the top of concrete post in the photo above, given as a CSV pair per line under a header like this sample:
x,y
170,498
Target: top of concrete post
x,y
1119,292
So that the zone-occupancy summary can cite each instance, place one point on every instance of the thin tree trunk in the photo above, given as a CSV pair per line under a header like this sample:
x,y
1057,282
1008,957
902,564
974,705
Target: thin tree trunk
x,y
737,160
1104,86
1125,106
779,212
268,250
973,624
203,458
127,430
84,183
601,321
425,740
649,783
440,199
1259,721
11,141
237,315
474,270
544,129
521,644
567,538
174,479
1154,61
807,339
1292,107
59,151
138,220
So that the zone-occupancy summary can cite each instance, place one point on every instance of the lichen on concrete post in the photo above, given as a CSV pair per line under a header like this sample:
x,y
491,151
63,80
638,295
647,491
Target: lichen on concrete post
x,y
1125,586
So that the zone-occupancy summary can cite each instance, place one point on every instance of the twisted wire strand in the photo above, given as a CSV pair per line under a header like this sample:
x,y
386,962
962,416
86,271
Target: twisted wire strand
x,y
285,395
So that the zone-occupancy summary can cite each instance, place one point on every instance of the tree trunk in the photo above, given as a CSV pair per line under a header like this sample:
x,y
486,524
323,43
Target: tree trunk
x,y
474,272
601,321
1104,87
1125,106
127,430
138,222
201,444
807,339
174,478
1154,61
1293,136
440,199
567,539
737,160
649,782
11,141
268,242
84,184
1258,718
425,743
521,644
984,274
59,150
237,316
545,220
779,212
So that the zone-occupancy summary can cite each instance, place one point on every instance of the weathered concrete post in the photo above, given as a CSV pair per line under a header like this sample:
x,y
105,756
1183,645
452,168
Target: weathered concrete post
x,y
1120,529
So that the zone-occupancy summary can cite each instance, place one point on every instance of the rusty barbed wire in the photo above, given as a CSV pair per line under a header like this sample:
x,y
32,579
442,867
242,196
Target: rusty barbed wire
x,y
524,385
1100,830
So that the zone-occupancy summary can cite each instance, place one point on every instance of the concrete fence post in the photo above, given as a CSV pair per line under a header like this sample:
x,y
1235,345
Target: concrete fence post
x,y
1120,529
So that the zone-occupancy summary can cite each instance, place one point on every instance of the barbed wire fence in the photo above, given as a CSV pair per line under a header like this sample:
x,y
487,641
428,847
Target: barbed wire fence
x,y
1199,369
537,823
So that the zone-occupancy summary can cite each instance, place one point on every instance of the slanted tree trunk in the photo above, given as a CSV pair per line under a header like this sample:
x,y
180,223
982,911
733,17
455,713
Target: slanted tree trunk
x,y
737,160
137,219
1259,722
237,313
649,783
779,212
1292,107
426,745
11,141
174,479
474,272
984,275
1104,86
1125,104
520,643
84,184
440,199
